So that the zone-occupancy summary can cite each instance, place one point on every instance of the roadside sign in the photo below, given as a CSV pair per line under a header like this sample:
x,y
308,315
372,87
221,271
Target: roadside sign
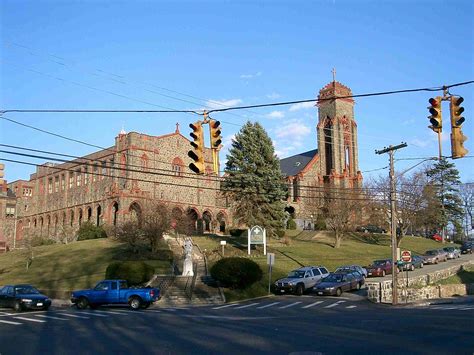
x,y
271,259
223,242
257,235
406,256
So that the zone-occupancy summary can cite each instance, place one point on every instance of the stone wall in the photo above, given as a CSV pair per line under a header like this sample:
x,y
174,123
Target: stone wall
x,y
419,287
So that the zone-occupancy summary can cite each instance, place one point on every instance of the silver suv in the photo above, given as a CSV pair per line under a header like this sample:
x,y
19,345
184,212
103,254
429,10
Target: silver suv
x,y
300,280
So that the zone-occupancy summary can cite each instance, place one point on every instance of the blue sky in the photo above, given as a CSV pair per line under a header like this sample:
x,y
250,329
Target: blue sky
x,y
191,54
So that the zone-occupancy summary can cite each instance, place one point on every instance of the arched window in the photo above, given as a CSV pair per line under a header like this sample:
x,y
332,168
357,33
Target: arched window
x,y
144,162
177,166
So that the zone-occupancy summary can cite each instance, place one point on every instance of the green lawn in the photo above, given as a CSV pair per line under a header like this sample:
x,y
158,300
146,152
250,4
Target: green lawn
x,y
465,276
305,248
66,267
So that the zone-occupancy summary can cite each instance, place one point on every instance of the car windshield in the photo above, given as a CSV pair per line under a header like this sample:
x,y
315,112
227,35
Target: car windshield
x,y
296,274
448,249
26,290
431,252
333,278
380,262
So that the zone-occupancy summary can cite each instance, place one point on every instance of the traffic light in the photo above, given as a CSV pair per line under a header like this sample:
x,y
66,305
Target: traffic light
x,y
457,137
435,119
215,130
197,153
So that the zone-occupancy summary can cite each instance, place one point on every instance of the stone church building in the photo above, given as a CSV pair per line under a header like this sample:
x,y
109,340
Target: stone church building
x,y
114,184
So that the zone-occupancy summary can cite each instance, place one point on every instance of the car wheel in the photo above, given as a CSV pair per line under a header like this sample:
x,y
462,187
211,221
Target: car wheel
x,y
82,303
18,307
359,285
338,292
421,265
135,303
436,261
383,273
299,290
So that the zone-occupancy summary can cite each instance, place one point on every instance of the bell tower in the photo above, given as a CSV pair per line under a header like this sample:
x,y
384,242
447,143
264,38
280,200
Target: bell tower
x,y
337,136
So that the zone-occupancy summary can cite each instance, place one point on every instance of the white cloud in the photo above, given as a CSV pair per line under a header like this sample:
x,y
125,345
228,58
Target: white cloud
x,y
273,96
275,114
227,141
421,143
250,76
223,103
302,106
295,130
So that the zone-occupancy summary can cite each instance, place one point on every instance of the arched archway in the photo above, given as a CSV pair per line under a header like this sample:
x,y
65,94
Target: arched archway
x,y
89,214
222,219
115,208
19,230
207,218
135,212
48,222
193,220
71,218
98,215
80,217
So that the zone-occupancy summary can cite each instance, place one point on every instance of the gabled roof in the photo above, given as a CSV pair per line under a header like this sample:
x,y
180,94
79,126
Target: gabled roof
x,y
291,166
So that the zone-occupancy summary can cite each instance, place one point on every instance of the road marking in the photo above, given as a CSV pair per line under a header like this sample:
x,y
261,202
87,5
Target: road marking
x,y
73,316
227,305
93,314
169,309
462,309
247,305
268,305
290,305
113,312
9,322
119,310
30,320
335,304
313,304
351,306
50,317
153,311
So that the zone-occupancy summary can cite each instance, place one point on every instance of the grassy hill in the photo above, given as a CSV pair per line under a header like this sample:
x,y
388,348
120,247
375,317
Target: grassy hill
x,y
304,248
66,267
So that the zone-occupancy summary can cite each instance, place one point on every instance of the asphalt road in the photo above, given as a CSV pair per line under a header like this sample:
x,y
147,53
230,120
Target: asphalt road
x,y
276,325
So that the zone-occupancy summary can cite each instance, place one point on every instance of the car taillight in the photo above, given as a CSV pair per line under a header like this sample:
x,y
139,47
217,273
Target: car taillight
x,y
152,293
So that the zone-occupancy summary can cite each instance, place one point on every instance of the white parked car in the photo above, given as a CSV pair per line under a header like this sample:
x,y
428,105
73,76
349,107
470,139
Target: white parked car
x,y
300,280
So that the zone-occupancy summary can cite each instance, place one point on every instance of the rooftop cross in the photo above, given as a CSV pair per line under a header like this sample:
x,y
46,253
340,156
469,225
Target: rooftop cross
x,y
333,74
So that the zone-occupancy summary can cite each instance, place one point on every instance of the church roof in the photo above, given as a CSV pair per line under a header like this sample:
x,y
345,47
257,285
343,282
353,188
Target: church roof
x,y
291,166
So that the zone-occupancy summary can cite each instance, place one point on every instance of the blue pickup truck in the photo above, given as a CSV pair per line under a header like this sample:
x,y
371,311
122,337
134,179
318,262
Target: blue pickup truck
x,y
115,292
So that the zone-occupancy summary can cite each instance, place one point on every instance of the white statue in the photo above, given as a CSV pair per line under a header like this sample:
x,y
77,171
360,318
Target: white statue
x,y
188,258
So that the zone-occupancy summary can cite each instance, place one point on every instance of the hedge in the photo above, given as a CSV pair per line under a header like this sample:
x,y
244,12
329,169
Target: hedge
x,y
236,272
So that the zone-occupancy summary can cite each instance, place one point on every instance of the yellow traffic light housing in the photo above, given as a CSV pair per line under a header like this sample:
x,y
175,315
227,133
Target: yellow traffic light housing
x,y
215,131
457,137
436,119
197,153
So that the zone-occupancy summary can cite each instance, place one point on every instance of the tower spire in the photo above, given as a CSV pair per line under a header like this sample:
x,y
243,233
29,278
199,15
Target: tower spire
x,y
333,71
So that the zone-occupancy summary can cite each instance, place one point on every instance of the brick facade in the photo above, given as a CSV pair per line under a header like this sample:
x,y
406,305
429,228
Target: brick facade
x,y
107,186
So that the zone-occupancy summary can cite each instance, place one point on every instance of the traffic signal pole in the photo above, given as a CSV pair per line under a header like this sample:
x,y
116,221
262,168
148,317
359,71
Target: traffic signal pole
x,y
393,220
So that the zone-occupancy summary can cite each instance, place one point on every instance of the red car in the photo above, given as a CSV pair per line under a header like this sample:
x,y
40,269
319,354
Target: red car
x,y
437,237
380,268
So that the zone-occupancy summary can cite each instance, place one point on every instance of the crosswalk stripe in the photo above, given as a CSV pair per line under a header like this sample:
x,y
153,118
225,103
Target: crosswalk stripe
x,y
153,311
169,309
227,305
268,305
313,304
10,322
73,316
113,312
119,310
290,305
247,305
335,304
351,306
30,319
50,317
93,314
465,308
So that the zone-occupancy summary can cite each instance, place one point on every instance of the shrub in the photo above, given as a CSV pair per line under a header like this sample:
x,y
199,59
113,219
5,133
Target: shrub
x,y
135,272
236,272
280,233
291,224
235,232
320,224
36,242
90,231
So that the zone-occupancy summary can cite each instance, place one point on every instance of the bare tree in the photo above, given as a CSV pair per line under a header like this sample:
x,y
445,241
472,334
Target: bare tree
x,y
466,192
129,233
156,220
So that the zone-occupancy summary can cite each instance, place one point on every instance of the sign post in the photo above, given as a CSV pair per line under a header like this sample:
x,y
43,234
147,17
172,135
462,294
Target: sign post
x,y
223,243
270,262
405,256
257,235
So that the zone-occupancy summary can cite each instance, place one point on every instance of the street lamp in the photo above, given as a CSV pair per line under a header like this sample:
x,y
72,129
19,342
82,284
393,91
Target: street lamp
x,y
312,223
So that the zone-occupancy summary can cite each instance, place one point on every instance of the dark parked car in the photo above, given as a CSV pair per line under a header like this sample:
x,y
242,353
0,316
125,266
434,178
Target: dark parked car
x,y
434,256
370,228
336,283
356,268
416,262
380,268
467,247
452,252
23,297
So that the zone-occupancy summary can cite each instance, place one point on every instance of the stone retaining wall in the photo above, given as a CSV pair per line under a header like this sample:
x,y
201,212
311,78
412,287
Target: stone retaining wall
x,y
419,287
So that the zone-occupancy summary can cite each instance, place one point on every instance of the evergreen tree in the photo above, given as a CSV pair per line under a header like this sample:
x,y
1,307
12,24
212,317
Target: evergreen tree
x,y
444,180
253,180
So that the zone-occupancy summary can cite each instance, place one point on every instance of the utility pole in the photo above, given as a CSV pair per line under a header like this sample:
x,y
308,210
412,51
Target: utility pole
x,y
393,221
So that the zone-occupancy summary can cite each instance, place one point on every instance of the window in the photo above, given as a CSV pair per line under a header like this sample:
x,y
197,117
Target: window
x,y
27,191
63,182
86,176
26,207
71,180
10,211
123,285
324,270
113,286
50,185
144,162
316,272
103,286
177,166
78,177
56,183
104,169
95,171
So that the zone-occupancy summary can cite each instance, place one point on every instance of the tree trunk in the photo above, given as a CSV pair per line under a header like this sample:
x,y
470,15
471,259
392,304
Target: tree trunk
x,y
337,237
